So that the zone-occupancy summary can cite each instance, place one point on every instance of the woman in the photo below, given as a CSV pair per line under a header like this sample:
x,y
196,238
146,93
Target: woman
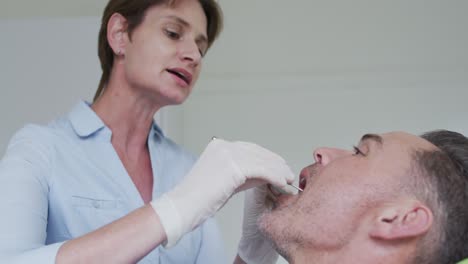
x,y
103,184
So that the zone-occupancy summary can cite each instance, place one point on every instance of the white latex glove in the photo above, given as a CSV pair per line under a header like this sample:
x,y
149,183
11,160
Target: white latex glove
x,y
223,168
254,248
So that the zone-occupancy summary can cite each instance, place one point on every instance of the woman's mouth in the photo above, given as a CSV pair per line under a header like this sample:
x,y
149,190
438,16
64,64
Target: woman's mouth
x,y
182,74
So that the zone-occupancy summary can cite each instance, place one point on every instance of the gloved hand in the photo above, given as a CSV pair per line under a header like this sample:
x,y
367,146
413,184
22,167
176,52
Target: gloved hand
x,y
253,247
223,168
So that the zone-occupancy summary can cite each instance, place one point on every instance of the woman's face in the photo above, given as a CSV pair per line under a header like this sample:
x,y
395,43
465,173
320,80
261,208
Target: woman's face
x,y
163,58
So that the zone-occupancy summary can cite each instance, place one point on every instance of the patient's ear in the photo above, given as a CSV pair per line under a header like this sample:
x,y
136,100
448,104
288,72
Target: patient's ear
x,y
404,219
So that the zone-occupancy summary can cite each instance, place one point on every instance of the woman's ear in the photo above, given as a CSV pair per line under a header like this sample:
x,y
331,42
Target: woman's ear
x,y
117,33
404,219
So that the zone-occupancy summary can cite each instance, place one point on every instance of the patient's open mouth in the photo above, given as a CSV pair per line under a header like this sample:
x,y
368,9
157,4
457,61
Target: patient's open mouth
x,y
306,174
302,182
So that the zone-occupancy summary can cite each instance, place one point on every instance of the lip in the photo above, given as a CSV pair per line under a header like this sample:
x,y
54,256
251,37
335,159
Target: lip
x,y
303,177
181,74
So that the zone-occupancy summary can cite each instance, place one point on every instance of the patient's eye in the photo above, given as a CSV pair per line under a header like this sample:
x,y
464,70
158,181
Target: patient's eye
x,y
357,151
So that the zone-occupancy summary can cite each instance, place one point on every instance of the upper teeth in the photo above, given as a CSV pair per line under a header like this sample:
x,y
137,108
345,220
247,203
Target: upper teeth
x,y
182,74
302,181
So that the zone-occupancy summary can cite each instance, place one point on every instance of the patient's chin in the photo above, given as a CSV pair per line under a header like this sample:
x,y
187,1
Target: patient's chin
x,y
272,228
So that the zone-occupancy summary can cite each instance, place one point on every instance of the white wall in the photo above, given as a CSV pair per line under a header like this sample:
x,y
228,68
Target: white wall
x,y
46,66
289,75
50,8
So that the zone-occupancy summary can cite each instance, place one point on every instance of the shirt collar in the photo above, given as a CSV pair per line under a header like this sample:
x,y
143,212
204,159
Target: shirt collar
x,y
86,122
155,129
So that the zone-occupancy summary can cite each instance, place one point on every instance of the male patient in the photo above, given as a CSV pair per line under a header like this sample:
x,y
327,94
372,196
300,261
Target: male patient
x,y
397,198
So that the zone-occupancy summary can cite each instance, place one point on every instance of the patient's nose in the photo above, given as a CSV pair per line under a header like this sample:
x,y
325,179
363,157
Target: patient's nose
x,y
326,155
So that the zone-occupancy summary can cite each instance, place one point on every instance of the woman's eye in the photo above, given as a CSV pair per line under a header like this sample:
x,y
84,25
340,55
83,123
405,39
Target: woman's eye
x,y
201,53
357,151
172,34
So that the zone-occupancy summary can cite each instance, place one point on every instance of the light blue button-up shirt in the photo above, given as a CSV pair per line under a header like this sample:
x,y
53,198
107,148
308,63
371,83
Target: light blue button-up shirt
x,y
61,181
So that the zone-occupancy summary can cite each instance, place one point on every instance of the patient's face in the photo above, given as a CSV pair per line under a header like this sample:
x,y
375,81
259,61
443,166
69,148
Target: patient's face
x,y
341,189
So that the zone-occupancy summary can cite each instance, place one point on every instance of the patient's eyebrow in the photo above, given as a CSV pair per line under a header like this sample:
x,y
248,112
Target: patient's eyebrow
x,y
373,137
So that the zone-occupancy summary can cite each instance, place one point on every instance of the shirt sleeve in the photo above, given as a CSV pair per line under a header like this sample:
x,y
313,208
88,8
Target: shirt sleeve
x,y
24,172
212,247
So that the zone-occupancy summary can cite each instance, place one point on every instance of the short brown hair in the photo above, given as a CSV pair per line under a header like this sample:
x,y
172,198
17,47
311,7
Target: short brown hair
x,y
134,11
446,172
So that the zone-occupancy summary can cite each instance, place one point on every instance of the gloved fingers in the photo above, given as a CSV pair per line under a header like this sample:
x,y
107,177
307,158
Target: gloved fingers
x,y
261,186
258,162
254,161
279,175
285,190
251,183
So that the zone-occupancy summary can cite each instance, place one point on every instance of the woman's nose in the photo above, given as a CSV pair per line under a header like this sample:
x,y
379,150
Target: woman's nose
x,y
324,156
191,53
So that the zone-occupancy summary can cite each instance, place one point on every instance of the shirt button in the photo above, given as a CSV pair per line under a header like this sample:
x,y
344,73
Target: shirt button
x,y
96,204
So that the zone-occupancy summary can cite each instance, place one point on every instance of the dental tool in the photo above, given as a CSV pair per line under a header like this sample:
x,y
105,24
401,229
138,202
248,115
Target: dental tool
x,y
296,187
